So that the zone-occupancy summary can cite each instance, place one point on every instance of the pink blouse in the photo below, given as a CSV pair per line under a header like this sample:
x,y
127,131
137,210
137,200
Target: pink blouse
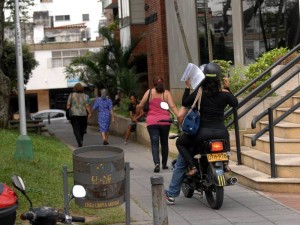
x,y
156,113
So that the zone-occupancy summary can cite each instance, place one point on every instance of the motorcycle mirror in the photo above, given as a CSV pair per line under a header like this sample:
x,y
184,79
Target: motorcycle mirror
x,y
18,183
78,191
164,105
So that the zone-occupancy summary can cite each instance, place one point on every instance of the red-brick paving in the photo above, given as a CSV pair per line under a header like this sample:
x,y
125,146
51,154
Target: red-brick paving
x,y
290,200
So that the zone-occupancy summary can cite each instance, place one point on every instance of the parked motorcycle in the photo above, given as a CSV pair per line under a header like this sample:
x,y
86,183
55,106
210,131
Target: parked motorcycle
x,y
210,177
45,215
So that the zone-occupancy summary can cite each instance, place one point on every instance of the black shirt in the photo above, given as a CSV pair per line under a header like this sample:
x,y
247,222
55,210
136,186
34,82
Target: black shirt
x,y
212,107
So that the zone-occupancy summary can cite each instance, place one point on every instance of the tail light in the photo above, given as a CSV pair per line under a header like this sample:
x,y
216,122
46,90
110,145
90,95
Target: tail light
x,y
216,146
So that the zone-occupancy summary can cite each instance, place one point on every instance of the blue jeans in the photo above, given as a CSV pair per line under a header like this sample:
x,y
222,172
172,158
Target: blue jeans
x,y
159,133
177,177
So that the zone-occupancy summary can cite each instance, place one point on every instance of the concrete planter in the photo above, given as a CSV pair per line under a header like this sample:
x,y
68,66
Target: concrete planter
x,y
290,85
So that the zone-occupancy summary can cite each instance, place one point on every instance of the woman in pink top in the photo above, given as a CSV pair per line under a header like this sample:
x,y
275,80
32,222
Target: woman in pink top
x,y
158,131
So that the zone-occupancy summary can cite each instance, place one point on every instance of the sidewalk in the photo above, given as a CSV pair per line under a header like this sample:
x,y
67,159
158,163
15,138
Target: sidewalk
x,y
241,205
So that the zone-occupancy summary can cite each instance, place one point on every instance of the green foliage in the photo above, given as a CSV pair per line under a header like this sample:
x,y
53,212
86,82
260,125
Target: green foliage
x,y
241,76
24,6
9,64
237,80
43,176
225,66
263,63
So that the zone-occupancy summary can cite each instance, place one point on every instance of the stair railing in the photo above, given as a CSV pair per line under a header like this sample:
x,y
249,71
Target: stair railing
x,y
256,91
271,124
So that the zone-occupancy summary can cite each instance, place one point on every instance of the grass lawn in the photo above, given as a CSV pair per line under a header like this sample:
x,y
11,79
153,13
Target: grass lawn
x,y
43,177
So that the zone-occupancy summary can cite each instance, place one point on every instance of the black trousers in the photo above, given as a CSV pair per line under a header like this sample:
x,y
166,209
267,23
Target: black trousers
x,y
79,124
186,144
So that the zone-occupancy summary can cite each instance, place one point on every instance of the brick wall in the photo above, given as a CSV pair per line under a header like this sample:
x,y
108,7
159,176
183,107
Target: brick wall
x,y
137,31
157,55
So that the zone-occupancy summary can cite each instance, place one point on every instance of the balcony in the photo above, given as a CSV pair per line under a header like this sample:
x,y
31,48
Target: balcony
x,y
110,4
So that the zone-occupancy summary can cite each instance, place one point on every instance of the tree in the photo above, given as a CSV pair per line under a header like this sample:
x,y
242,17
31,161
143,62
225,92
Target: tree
x,y
113,67
9,58
5,82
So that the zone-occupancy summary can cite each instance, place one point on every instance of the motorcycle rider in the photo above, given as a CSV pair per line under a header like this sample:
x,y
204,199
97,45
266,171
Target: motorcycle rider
x,y
213,103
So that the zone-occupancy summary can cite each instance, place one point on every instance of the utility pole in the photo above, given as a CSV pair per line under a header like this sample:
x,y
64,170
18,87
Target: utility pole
x,y
24,143
208,31
238,33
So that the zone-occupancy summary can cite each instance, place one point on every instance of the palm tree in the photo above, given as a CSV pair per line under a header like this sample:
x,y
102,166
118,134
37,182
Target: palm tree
x,y
113,67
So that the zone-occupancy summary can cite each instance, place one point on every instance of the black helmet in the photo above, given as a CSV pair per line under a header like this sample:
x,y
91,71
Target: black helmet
x,y
212,70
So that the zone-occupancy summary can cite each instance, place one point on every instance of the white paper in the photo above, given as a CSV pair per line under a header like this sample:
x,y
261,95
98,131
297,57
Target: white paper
x,y
194,74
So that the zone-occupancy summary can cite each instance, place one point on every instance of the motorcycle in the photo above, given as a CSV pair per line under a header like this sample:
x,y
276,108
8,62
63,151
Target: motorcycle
x,y
45,215
210,177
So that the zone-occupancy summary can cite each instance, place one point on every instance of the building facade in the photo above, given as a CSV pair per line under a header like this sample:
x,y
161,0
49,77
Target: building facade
x,y
257,27
59,31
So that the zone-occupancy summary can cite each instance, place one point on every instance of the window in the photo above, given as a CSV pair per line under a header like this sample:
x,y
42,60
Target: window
x,y
64,58
62,18
85,17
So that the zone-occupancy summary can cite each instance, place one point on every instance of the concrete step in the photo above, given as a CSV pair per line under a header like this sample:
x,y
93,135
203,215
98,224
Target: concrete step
x,y
263,182
284,129
287,165
295,99
282,145
294,117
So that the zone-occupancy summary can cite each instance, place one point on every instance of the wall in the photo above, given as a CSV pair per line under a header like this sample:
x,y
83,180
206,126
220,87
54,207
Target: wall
x,y
177,57
75,9
141,135
157,54
46,77
137,12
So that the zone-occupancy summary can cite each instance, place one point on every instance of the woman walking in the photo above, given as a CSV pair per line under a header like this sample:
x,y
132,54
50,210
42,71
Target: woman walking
x,y
78,103
158,131
104,106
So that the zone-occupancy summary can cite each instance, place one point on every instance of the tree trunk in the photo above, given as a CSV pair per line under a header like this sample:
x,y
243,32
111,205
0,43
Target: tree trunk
x,y
5,83
4,99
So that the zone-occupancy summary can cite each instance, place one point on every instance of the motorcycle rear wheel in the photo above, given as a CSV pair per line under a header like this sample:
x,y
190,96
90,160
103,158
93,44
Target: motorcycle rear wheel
x,y
214,197
187,191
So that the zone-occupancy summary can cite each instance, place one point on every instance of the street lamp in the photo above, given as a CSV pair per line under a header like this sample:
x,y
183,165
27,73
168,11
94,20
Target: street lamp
x,y
24,143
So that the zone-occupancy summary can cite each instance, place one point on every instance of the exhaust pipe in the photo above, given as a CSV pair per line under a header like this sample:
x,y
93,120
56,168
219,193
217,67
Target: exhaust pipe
x,y
232,181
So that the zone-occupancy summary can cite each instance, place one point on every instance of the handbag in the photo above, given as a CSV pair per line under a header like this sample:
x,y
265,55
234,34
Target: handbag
x,y
68,111
146,106
191,121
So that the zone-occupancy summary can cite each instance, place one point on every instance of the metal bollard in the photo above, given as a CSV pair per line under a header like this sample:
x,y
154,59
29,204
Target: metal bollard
x,y
160,215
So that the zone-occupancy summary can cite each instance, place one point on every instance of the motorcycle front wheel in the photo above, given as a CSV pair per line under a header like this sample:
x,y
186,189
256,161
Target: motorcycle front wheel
x,y
187,191
214,196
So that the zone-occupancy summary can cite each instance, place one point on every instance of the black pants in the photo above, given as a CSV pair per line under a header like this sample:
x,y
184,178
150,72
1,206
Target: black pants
x,y
186,143
159,133
79,124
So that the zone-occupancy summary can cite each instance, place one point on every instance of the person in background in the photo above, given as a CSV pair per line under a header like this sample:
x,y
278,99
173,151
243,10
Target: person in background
x,y
104,106
136,115
158,131
78,103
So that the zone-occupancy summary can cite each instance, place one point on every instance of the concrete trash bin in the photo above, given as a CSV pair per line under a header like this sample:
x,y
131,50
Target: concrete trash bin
x,y
101,170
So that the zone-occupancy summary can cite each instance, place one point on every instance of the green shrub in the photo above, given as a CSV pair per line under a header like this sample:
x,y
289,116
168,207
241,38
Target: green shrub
x,y
240,76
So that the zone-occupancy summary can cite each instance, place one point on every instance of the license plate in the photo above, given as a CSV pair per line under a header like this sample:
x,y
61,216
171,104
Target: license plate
x,y
217,157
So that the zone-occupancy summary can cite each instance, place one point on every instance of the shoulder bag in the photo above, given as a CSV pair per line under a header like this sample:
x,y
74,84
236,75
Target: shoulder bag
x,y
191,121
68,111
146,106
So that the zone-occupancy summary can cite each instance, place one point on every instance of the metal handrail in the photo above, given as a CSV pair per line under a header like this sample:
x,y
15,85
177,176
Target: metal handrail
x,y
278,62
275,105
256,91
275,122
